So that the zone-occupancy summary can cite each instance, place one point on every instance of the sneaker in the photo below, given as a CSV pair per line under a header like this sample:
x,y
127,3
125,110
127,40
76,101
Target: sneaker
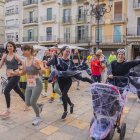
x,y
51,99
138,100
44,94
5,115
71,108
64,115
36,121
78,88
40,107
60,100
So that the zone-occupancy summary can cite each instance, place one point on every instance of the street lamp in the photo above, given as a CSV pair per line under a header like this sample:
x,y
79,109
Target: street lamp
x,y
97,10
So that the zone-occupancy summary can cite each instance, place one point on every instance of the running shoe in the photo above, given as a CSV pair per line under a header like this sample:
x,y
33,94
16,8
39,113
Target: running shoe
x,y
138,100
5,115
44,94
51,99
64,115
36,121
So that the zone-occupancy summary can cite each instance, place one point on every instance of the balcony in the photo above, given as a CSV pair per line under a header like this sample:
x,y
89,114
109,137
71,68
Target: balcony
x,y
136,4
119,18
104,40
46,19
6,1
12,26
30,21
48,39
101,21
30,3
66,20
80,1
133,34
11,13
81,19
75,40
66,2
30,39
47,1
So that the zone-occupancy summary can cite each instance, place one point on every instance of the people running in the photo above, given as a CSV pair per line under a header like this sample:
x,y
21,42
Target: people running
x,y
66,70
120,67
11,60
96,68
76,58
32,67
46,74
112,57
103,61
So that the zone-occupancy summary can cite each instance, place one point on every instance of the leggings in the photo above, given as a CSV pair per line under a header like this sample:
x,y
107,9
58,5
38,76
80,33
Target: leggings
x,y
96,78
12,84
84,79
46,85
32,94
65,84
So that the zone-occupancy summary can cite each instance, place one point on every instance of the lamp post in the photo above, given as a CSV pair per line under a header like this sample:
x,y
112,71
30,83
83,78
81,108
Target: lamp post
x,y
97,10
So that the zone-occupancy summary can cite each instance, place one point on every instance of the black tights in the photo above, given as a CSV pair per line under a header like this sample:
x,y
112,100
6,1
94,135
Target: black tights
x,y
84,79
65,84
12,84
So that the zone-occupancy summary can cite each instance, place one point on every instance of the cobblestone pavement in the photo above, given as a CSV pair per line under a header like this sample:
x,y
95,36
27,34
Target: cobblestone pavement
x,y
75,127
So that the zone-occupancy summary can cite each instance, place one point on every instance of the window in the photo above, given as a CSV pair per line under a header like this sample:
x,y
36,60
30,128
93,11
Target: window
x,y
49,33
16,37
80,13
30,1
30,35
17,9
67,35
31,17
118,37
82,33
10,36
118,11
138,26
100,34
66,15
49,13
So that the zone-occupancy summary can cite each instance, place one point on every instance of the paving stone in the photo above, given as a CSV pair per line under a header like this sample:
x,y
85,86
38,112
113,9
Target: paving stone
x,y
60,136
79,124
18,133
49,130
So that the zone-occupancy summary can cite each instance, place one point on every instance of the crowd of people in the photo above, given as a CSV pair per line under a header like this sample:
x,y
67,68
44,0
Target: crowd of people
x,y
58,67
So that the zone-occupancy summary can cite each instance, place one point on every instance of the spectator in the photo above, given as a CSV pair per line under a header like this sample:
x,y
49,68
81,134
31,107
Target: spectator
x,y
112,57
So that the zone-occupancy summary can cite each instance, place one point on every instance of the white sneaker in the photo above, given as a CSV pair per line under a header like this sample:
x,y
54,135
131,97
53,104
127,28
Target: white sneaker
x,y
44,94
36,121
138,100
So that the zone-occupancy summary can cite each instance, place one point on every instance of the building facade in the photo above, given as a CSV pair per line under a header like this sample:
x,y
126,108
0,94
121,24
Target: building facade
x,y
50,22
112,29
133,29
13,21
2,28
40,22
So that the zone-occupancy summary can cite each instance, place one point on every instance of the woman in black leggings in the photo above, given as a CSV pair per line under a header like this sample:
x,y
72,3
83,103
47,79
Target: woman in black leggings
x,y
65,79
11,61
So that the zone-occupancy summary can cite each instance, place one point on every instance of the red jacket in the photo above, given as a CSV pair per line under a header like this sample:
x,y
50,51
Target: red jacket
x,y
96,67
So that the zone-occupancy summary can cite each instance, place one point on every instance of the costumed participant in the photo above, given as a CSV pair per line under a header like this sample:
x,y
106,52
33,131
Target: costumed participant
x,y
66,70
